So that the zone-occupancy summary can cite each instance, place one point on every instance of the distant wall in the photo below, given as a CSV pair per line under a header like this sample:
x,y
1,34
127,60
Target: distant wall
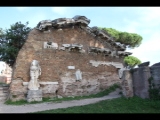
x,y
140,79
155,72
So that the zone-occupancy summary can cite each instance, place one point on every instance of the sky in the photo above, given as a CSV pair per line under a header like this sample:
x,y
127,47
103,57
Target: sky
x,y
144,21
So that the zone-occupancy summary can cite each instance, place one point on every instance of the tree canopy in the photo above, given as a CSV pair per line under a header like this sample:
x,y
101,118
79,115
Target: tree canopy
x,y
12,40
132,40
131,61
1,35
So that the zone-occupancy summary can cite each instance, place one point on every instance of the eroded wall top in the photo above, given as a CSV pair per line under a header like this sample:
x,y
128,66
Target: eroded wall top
x,y
66,42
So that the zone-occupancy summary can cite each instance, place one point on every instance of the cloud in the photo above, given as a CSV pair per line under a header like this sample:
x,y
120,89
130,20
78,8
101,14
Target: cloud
x,y
152,44
21,8
146,23
149,50
60,10
151,13
70,11
131,26
144,19
149,16
33,21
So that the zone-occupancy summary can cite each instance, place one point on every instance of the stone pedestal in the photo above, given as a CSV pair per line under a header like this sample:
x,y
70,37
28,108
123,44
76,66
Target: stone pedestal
x,y
34,95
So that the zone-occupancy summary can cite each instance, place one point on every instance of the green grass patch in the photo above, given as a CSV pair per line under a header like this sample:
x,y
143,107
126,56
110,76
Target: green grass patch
x,y
19,102
1,84
117,105
4,84
55,99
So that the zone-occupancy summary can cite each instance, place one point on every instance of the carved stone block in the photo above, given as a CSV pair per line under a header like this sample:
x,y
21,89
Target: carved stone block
x,y
34,95
50,45
61,48
78,74
97,63
71,67
144,64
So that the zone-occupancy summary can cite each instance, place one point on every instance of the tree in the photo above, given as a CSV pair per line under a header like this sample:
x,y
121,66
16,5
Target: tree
x,y
131,61
1,35
12,40
131,40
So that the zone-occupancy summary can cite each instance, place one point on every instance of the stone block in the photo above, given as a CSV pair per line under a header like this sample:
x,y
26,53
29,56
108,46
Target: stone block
x,y
51,88
34,95
43,83
143,64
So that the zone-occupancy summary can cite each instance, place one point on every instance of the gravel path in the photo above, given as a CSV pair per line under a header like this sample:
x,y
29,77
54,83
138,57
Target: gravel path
x,y
50,105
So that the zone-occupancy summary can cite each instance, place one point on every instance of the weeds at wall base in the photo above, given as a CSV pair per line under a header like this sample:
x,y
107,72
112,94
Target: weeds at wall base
x,y
154,93
100,94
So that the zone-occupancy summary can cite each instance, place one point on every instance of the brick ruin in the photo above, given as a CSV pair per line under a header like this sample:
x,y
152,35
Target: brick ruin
x,y
98,59
138,81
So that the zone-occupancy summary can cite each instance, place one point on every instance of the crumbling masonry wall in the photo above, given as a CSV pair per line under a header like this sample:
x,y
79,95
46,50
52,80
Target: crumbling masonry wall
x,y
155,72
54,65
140,80
127,85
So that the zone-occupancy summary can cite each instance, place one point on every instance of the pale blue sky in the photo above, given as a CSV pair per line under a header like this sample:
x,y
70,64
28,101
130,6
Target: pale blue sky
x,y
144,21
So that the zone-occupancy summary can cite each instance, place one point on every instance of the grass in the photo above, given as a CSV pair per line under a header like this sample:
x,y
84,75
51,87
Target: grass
x,y
20,102
1,83
118,105
100,94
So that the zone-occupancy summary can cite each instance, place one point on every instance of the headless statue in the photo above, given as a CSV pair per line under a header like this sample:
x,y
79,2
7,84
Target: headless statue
x,y
78,75
35,72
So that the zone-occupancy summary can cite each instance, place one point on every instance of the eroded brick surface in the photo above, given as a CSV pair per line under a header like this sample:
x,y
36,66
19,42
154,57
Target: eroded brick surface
x,y
54,63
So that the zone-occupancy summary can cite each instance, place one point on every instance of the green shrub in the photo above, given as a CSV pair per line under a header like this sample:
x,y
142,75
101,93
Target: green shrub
x,y
153,92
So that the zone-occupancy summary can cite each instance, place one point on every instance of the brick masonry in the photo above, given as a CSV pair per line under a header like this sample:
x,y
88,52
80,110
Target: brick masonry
x,y
140,81
127,85
136,81
54,63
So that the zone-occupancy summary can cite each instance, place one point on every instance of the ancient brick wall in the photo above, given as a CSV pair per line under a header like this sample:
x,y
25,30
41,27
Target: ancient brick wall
x,y
155,73
136,81
3,79
140,81
54,63
127,84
